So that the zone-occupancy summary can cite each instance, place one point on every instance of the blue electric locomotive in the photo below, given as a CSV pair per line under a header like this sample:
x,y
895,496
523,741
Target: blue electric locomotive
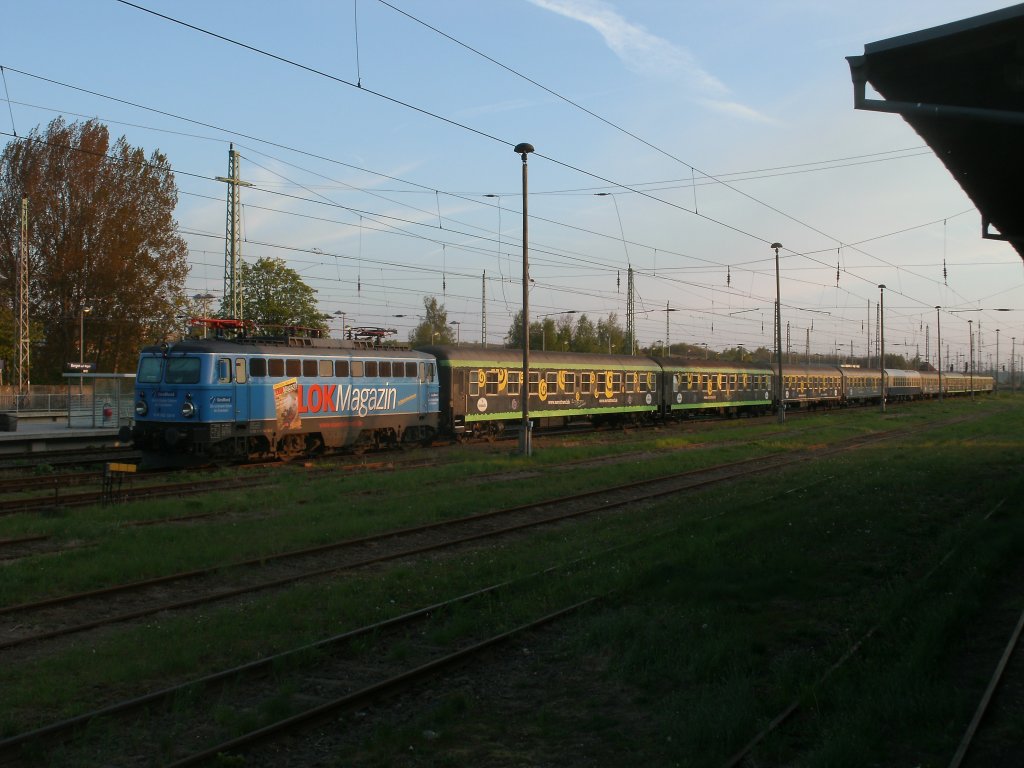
x,y
209,399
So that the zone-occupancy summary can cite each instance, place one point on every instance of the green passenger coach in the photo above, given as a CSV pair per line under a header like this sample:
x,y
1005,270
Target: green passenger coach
x,y
482,389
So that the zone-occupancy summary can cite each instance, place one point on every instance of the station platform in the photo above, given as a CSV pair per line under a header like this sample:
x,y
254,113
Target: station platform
x,y
42,435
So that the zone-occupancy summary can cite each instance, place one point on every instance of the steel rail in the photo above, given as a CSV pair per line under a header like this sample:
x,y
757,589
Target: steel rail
x,y
373,691
771,459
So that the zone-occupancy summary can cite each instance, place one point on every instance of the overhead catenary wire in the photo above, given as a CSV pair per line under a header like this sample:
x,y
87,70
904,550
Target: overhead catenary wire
x,y
436,193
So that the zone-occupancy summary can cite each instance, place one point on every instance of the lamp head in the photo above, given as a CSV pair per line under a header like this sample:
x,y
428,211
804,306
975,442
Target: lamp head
x,y
523,149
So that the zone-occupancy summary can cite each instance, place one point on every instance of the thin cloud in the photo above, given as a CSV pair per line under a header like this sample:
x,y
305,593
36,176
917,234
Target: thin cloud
x,y
736,109
640,50
649,54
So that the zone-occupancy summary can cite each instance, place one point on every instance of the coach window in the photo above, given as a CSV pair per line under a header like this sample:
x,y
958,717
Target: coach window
x,y
630,382
570,382
492,383
257,366
240,370
474,382
586,382
310,369
370,369
357,368
275,367
292,367
224,370
616,381
551,377
410,370
326,368
732,381
534,382
341,369
515,379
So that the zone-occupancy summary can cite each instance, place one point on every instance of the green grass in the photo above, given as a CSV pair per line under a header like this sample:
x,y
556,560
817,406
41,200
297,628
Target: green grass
x,y
719,609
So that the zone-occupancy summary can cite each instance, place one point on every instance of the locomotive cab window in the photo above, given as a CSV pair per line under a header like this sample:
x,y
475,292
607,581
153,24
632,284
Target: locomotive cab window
x,y
410,370
224,370
183,370
151,370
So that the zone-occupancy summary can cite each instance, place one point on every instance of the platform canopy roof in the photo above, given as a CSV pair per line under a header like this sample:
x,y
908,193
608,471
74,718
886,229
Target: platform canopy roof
x,y
961,87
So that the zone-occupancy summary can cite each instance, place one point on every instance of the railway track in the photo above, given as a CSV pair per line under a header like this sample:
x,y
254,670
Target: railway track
x,y
356,668
30,625
315,693
784,719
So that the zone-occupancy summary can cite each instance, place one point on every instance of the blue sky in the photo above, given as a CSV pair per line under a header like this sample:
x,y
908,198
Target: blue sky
x,y
716,128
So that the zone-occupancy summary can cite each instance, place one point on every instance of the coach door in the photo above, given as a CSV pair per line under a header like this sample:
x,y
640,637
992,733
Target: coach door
x,y
423,381
240,379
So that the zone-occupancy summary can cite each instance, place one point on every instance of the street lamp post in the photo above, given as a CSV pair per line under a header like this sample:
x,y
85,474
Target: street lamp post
x,y
778,335
458,331
938,350
881,333
970,332
525,445
81,343
995,381
544,336
1013,355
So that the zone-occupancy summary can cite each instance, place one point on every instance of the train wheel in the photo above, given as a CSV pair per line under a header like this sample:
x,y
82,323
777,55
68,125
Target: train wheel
x,y
291,445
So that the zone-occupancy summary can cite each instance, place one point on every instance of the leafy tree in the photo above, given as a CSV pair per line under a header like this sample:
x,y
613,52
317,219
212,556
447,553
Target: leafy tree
x,y
274,297
584,336
611,335
102,234
434,329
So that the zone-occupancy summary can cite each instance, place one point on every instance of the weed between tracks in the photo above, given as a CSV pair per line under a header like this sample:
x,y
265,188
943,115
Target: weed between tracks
x,y
723,607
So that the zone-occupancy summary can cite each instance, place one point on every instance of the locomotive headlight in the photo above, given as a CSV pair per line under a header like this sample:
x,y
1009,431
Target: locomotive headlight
x,y
141,409
188,410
